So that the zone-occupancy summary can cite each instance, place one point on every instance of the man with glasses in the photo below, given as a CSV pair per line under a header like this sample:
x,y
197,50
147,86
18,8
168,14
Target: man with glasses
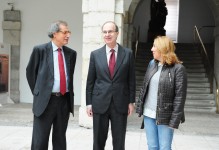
x,y
50,77
110,90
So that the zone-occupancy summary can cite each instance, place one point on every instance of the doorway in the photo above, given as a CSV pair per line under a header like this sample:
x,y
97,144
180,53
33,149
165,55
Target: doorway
x,y
4,68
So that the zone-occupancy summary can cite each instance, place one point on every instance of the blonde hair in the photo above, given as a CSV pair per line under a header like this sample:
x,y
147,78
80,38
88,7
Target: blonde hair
x,y
167,49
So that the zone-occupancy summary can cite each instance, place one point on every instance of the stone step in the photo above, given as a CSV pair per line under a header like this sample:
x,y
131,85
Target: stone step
x,y
196,70
144,62
200,97
187,49
144,55
191,61
193,65
196,75
198,85
189,90
141,68
139,72
200,103
198,90
192,80
191,54
185,62
187,65
139,78
190,58
195,102
200,109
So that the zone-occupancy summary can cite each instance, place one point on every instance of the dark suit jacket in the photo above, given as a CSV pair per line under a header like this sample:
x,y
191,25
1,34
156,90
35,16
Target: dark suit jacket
x,y
40,75
101,88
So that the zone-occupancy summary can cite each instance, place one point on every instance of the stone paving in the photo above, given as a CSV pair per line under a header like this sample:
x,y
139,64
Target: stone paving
x,y
199,132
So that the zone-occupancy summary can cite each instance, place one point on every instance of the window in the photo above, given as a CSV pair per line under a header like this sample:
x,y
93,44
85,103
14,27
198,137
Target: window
x,y
171,25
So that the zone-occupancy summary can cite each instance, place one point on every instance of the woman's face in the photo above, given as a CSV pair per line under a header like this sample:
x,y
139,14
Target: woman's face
x,y
156,53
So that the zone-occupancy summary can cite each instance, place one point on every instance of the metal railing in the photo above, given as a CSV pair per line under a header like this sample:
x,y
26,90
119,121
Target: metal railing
x,y
197,35
136,40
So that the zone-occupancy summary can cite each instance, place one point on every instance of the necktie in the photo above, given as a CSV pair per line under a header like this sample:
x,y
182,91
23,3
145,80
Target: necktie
x,y
61,72
112,62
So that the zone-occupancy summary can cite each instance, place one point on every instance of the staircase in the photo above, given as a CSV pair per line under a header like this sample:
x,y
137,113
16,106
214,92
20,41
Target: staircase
x,y
199,96
142,59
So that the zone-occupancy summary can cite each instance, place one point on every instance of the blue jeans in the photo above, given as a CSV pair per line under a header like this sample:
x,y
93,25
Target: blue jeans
x,y
159,137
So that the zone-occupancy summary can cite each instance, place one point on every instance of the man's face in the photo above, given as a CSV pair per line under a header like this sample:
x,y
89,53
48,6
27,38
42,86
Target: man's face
x,y
61,38
109,34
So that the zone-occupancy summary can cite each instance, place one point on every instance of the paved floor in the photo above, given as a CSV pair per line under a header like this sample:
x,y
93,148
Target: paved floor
x,y
199,132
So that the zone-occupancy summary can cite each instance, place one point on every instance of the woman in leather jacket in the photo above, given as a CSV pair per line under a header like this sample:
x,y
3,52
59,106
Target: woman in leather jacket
x,y
162,98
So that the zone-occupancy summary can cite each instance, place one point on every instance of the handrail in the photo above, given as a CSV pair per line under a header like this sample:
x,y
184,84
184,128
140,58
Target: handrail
x,y
206,54
136,48
137,39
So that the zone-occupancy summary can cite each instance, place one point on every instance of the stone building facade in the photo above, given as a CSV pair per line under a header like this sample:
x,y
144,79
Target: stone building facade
x,y
22,30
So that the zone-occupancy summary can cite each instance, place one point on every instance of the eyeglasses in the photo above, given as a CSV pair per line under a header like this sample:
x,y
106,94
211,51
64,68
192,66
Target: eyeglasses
x,y
65,32
109,32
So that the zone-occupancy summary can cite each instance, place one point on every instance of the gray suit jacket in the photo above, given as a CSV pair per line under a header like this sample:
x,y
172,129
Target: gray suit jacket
x,y
101,89
40,75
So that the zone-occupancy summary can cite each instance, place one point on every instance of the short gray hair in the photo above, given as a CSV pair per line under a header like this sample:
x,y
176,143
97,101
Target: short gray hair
x,y
116,27
55,27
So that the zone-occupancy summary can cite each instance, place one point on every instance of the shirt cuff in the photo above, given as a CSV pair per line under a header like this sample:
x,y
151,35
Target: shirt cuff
x,y
89,106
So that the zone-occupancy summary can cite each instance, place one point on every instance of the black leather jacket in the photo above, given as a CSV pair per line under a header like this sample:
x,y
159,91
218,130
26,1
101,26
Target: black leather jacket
x,y
171,94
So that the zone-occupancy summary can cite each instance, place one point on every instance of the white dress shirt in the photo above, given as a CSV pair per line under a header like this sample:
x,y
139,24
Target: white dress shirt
x,y
56,85
108,53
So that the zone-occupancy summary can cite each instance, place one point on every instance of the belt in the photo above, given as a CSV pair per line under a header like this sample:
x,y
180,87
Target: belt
x,y
58,94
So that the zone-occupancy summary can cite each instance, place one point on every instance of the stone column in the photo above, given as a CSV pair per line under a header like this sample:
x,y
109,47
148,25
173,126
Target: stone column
x,y
216,61
95,13
11,35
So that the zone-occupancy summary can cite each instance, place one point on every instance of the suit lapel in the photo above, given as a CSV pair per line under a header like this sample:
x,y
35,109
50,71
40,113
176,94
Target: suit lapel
x,y
49,53
119,59
67,59
103,59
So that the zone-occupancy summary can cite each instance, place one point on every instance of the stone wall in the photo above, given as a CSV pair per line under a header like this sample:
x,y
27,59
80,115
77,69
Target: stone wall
x,y
95,13
11,35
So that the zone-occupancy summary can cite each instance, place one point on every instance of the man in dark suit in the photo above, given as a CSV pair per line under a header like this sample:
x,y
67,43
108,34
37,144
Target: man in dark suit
x,y
110,90
50,77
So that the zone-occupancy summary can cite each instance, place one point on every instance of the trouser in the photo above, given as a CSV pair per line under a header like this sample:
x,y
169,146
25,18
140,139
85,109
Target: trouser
x,y
159,137
56,116
101,126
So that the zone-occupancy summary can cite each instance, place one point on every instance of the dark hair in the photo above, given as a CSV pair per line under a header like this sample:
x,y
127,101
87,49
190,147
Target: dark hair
x,y
116,27
54,27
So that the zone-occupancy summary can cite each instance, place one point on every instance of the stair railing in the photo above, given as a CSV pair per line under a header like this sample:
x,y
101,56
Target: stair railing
x,y
197,35
137,40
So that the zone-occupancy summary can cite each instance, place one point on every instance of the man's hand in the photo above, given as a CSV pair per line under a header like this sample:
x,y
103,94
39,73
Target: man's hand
x,y
89,111
130,109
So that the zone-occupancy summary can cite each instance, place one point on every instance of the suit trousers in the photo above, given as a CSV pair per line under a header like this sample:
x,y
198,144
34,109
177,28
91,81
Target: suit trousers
x,y
55,116
101,126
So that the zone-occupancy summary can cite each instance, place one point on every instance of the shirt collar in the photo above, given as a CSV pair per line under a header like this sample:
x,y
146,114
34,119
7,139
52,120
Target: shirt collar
x,y
54,47
115,48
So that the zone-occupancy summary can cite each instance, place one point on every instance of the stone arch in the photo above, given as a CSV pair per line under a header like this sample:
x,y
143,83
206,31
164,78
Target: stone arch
x,y
132,9
129,23
214,6
127,31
